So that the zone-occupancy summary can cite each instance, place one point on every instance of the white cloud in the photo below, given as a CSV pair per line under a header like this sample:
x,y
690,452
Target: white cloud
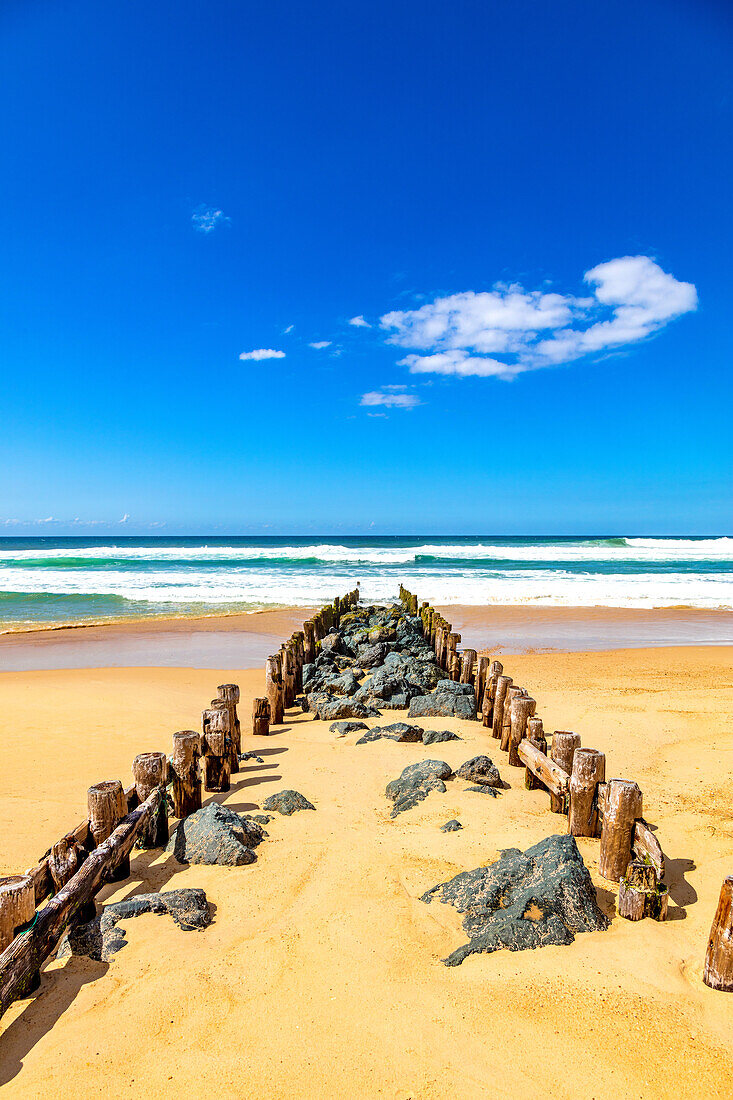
x,y
206,218
262,353
288,330
391,400
359,322
318,344
462,333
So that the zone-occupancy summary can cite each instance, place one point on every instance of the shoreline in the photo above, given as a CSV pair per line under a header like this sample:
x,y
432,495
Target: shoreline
x,y
244,640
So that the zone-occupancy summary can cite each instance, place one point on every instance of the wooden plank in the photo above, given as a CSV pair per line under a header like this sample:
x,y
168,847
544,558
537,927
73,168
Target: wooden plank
x,y
646,846
20,962
552,775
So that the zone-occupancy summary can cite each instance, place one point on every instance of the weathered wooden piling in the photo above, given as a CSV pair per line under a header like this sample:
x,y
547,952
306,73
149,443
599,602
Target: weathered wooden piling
x,y
65,859
718,971
274,688
260,717
309,642
454,667
107,806
185,767
503,683
229,693
551,775
513,692
562,752
623,806
150,770
468,660
487,706
17,906
216,744
589,769
536,737
640,894
522,709
482,671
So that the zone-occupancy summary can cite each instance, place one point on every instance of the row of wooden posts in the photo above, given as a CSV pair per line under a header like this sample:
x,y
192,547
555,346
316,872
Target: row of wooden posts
x,y
98,850
575,778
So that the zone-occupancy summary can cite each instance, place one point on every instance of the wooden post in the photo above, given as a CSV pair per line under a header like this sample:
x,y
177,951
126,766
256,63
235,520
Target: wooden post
x,y
274,689
555,778
487,706
623,806
589,769
468,660
454,640
230,694
522,709
536,737
482,669
260,717
65,859
299,650
562,752
217,752
288,675
150,770
17,906
718,972
512,692
309,642
503,683
185,767
454,667
107,806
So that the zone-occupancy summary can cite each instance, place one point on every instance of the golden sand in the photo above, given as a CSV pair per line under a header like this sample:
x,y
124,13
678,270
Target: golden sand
x,y
321,975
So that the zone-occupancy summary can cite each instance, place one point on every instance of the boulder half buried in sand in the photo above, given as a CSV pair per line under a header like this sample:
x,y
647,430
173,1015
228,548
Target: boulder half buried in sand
x,y
215,834
415,784
526,899
287,802
100,938
481,770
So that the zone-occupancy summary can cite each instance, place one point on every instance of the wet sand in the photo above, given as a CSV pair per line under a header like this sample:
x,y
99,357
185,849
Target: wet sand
x,y
245,640
321,975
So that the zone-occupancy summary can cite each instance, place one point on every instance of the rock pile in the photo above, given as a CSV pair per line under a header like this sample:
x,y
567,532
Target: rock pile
x,y
524,900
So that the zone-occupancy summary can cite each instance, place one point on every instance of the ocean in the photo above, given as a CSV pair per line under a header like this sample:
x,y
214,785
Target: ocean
x,y
53,581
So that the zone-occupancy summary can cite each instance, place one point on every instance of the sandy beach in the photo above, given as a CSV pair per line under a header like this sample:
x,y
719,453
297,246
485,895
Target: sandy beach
x,y
321,974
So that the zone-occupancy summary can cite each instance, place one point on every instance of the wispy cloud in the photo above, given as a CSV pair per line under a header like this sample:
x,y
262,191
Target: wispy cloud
x,y
262,353
390,400
359,322
288,330
319,344
462,334
206,218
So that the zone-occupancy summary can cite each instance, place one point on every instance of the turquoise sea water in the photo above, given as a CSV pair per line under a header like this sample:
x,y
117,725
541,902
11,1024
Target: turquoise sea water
x,y
75,580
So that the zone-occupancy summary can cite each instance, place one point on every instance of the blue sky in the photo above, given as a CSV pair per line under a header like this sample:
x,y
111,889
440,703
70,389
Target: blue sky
x,y
185,183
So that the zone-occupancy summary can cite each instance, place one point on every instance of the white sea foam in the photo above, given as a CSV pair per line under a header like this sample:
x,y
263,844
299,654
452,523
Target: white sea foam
x,y
588,550
253,587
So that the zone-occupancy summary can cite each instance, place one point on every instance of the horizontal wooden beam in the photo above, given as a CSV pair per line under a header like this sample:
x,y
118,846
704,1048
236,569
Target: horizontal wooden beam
x,y
647,848
21,961
555,778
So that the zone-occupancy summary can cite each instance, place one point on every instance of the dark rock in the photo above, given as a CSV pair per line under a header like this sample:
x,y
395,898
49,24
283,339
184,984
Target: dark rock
x,y
287,802
262,819
455,689
327,707
524,900
101,938
482,770
402,731
432,737
451,826
443,704
215,834
371,656
377,734
342,728
415,784
345,683
484,790
251,756
332,643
